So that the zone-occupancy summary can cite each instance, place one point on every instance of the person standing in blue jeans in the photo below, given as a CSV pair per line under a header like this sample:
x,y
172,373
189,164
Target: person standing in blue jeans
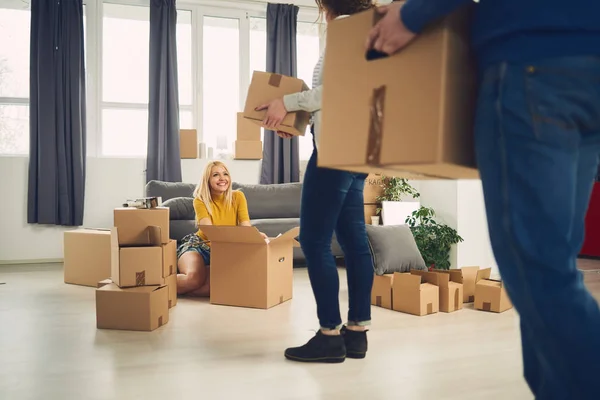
x,y
332,201
537,134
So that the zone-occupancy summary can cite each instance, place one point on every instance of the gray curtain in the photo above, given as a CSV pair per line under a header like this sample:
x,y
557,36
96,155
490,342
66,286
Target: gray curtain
x,y
281,159
163,161
57,150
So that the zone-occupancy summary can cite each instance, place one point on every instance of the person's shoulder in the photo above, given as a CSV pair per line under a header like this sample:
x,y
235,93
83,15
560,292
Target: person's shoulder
x,y
238,194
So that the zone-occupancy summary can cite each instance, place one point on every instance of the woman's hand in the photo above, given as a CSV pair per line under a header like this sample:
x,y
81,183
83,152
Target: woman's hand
x,y
284,135
276,112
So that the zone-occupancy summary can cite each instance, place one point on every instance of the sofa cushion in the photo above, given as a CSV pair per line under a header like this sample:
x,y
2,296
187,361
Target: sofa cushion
x,y
169,190
394,249
180,208
272,201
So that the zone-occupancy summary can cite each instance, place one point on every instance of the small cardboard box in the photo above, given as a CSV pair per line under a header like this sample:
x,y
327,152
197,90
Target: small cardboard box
x,y
171,282
366,108
381,294
247,130
248,150
266,86
246,271
490,295
414,294
468,277
188,143
451,292
104,283
88,256
142,308
132,224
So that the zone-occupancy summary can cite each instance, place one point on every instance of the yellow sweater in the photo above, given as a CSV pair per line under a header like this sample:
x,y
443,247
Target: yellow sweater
x,y
221,214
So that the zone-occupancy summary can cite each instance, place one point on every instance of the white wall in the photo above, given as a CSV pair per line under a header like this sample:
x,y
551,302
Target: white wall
x,y
110,181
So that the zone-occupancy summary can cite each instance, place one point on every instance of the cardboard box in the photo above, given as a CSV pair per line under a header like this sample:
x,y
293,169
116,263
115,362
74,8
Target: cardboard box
x,y
370,211
142,308
88,256
414,294
104,283
132,224
451,292
169,253
468,277
188,143
248,150
410,112
266,86
247,130
373,188
490,294
171,282
382,294
247,271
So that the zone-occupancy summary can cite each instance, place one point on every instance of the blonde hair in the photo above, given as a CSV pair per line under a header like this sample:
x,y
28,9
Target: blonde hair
x,y
202,191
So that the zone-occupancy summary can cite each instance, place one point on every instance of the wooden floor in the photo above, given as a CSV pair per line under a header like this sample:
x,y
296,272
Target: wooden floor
x,y
51,349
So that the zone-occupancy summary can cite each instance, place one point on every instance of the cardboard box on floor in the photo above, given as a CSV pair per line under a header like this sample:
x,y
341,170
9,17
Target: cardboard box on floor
x,y
88,256
188,143
248,150
132,224
266,86
415,294
143,308
468,277
247,130
171,282
411,112
490,294
381,293
451,292
246,271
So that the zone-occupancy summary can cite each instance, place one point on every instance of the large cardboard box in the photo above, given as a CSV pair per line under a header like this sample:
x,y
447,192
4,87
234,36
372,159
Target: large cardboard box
x,y
132,224
247,130
468,277
188,143
490,295
247,271
171,282
410,112
88,256
266,86
451,292
414,294
381,294
248,150
142,308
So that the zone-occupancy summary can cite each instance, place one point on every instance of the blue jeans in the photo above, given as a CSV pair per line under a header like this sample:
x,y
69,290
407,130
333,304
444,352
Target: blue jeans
x,y
538,144
332,200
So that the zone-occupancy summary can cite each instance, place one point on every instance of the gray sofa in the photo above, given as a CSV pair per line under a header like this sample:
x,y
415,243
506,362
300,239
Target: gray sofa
x,y
273,209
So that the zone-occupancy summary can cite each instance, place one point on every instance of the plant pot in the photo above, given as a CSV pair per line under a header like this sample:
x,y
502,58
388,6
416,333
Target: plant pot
x,y
396,212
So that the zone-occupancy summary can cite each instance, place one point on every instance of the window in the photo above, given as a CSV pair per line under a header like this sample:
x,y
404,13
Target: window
x,y
14,80
125,76
221,82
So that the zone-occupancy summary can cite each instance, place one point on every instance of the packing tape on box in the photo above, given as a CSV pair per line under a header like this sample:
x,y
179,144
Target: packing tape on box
x,y
140,278
377,108
275,80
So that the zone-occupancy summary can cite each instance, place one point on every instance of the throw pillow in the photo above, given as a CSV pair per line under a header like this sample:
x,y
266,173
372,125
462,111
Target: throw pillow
x,y
394,249
181,208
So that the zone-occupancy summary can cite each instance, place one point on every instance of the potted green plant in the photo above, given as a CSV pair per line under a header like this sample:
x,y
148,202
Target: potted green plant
x,y
395,208
434,240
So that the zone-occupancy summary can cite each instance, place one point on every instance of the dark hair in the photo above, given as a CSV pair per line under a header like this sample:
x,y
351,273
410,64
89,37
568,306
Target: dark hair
x,y
344,7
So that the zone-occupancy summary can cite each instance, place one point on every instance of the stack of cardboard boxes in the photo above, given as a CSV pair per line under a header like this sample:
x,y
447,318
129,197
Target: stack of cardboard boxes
x,y
427,292
248,145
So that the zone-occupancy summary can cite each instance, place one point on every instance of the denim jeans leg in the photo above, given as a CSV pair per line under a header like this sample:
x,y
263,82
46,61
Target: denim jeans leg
x,y
352,236
323,193
538,132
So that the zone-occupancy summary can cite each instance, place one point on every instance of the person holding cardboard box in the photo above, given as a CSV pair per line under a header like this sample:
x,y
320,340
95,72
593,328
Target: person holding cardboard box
x,y
332,201
537,132
215,203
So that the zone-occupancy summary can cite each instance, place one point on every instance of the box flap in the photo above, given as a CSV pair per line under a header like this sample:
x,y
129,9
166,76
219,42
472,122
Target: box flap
x,y
430,277
138,289
483,274
233,234
407,280
292,234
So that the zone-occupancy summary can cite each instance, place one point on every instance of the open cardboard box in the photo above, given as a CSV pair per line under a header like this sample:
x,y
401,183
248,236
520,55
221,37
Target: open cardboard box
x,y
248,271
490,294
451,292
416,294
132,224
468,277
382,294
88,256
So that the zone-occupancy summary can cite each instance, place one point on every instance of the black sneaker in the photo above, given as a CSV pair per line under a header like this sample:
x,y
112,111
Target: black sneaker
x,y
356,343
321,348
